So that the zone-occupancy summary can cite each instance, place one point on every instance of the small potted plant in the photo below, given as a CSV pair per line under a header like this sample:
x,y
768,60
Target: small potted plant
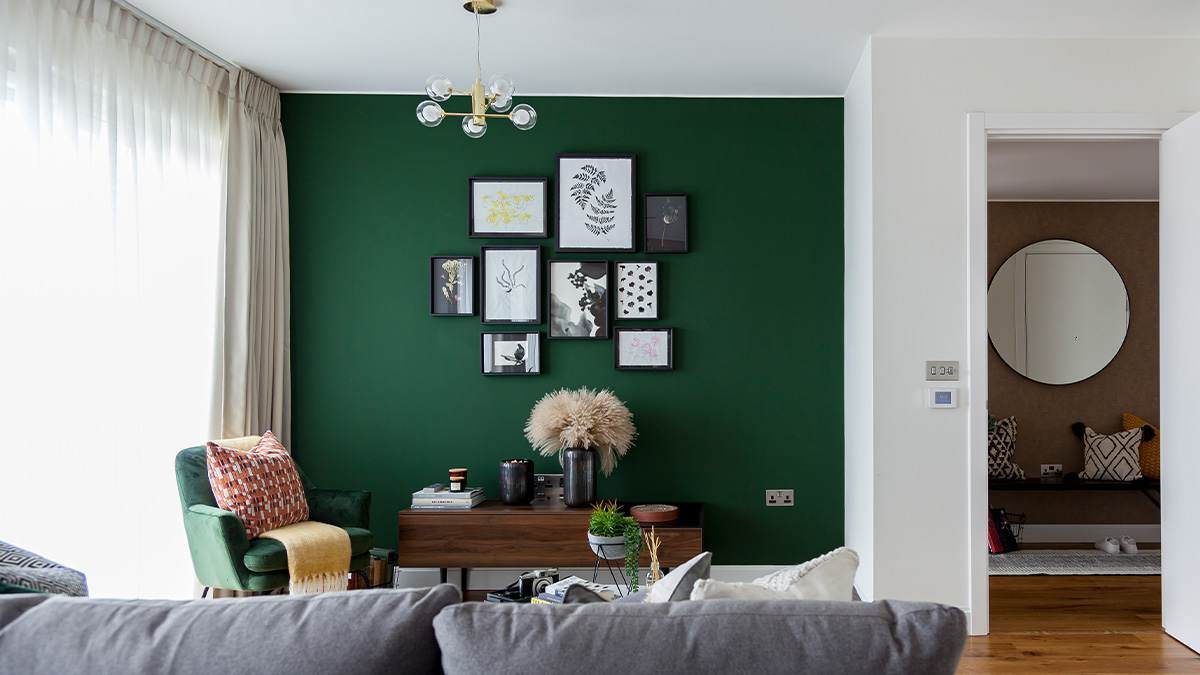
x,y
614,535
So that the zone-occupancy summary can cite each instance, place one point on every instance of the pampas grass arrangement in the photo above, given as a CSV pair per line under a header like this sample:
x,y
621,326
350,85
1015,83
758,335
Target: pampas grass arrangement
x,y
582,418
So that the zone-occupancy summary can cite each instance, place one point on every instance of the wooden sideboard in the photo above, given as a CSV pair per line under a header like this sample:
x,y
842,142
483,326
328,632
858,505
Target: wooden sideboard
x,y
495,535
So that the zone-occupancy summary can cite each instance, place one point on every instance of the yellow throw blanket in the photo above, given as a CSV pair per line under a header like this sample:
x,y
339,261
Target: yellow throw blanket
x,y
318,556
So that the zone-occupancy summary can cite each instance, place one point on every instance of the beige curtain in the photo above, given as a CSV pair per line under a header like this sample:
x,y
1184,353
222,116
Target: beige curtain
x,y
254,363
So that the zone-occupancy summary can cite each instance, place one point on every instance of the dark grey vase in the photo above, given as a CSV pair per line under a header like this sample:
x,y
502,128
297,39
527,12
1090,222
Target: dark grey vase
x,y
579,475
516,482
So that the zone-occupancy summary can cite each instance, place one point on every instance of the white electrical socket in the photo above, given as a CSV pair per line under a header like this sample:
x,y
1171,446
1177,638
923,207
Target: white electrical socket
x,y
1052,471
780,498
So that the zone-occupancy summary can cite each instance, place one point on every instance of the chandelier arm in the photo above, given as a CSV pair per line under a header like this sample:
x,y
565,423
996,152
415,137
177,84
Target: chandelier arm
x,y
454,114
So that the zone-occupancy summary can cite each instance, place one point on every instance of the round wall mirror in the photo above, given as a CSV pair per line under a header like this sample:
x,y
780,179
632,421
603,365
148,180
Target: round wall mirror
x,y
1058,311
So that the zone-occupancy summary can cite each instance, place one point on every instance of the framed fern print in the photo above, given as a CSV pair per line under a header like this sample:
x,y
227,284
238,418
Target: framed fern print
x,y
508,208
595,207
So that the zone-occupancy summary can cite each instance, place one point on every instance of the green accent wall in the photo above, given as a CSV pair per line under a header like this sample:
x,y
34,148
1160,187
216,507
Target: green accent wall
x,y
386,398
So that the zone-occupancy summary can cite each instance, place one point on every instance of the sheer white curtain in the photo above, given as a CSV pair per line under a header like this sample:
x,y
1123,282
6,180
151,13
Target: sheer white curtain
x,y
110,233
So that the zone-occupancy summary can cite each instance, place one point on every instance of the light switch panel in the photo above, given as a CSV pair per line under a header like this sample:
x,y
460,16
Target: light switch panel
x,y
941,370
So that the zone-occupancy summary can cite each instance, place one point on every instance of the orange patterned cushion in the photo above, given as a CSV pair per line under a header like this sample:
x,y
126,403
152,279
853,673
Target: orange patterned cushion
x,y
261,486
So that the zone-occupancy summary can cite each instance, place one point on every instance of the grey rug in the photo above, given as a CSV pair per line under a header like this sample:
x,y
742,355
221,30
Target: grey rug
x,y
1074,562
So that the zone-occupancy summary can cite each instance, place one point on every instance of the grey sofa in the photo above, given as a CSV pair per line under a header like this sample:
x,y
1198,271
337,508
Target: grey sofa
x,y
430,631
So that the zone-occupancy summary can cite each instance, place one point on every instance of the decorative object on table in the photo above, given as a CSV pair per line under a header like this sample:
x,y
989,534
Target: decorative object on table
x,y
581,419
678,584
508,207
612,536
497,95
510,284
510,353
579,475
516,482
548,488
578,301
651,542
637,290
654,513
1112,457
1148,451
595,202
666,229
828,577
644,348
1002,440
446,500
452,285
527,586
458,479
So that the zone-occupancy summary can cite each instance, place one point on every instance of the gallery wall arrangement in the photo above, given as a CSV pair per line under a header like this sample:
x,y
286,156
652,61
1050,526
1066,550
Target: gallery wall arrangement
x,y
746,304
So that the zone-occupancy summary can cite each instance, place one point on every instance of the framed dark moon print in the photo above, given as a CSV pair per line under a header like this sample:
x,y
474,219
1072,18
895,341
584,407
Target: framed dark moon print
x,y
579,292
644,349
452,285
510,284
511,353
637,290
666,229
595,206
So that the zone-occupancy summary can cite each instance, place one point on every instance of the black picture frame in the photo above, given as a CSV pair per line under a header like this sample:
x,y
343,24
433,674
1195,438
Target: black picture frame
x,y
499,280
577,297
660,235
636,294
441,283
501,213
623,336
595,207
528,349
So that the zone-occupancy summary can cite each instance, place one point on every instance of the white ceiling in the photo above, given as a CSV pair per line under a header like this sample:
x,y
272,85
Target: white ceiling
x,y
621,47
1073,170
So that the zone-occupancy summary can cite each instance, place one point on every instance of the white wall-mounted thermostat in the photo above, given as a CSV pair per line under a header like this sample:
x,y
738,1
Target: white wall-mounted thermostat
x,y
943,397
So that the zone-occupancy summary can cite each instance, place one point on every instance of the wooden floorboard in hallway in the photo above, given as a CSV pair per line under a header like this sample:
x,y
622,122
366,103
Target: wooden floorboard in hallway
x,y
1099,625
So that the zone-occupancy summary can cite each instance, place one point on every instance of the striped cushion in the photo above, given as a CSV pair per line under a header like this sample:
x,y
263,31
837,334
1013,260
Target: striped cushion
x,y
1112,457
261,486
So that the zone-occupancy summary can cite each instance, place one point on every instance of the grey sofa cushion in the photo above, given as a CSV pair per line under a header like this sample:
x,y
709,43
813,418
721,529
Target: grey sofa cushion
x,y
380,631
710,636
12,606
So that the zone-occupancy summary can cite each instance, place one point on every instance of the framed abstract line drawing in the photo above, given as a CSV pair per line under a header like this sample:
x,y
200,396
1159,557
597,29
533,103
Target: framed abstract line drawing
x,y
579,299
510,284
452,285
637,290
511,353
644,349
508,207
666,229
594,197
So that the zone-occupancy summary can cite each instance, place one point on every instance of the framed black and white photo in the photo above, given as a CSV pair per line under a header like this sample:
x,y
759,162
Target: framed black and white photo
x,y
452,285
511,353
510,284
508,207
595,211
666,229
637,294
579,299
644,349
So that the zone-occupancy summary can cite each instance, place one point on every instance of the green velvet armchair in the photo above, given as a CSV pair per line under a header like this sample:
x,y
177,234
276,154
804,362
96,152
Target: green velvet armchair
x,y
222,555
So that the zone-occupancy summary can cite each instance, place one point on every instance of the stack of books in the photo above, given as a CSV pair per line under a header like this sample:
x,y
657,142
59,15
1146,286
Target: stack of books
x,y
553,595
437,498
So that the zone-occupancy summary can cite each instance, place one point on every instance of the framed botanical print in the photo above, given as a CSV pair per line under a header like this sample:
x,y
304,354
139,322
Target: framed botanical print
x,y
644,349
510,284
508,207
579,299
637,294
511,353
595,205
452,285
666,229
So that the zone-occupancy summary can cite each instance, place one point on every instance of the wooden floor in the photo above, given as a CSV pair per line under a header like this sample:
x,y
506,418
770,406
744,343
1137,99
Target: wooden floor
x,y
1086,624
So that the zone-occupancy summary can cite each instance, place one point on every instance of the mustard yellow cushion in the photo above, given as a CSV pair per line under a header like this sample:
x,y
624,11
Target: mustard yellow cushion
x,y
1148,456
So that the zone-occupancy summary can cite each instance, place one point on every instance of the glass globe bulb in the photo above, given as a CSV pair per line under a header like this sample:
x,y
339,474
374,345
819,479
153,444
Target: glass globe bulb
x,y
473,130
429,113
501,85
523,117
502,103
438,87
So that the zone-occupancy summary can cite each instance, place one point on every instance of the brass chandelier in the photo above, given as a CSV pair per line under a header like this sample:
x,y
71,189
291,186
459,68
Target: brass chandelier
x,y
497,95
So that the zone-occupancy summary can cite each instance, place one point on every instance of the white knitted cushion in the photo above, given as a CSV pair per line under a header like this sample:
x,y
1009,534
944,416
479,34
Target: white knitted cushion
x,y
829,577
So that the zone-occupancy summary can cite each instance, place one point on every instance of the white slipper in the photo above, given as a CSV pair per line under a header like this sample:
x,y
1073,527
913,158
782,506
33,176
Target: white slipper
x,y
1128,545
1109,545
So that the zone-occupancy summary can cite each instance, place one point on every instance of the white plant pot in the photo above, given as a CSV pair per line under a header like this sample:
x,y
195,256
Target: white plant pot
x,y
609,548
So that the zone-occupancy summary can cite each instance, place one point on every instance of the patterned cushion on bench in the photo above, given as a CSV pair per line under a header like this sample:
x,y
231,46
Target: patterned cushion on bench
x,y
19,567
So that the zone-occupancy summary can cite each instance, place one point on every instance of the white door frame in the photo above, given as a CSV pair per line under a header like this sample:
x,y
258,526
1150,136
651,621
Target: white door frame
x,y
982,127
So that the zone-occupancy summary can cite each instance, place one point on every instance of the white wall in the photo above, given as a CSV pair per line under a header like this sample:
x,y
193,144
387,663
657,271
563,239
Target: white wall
x,y
920,93
857,342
